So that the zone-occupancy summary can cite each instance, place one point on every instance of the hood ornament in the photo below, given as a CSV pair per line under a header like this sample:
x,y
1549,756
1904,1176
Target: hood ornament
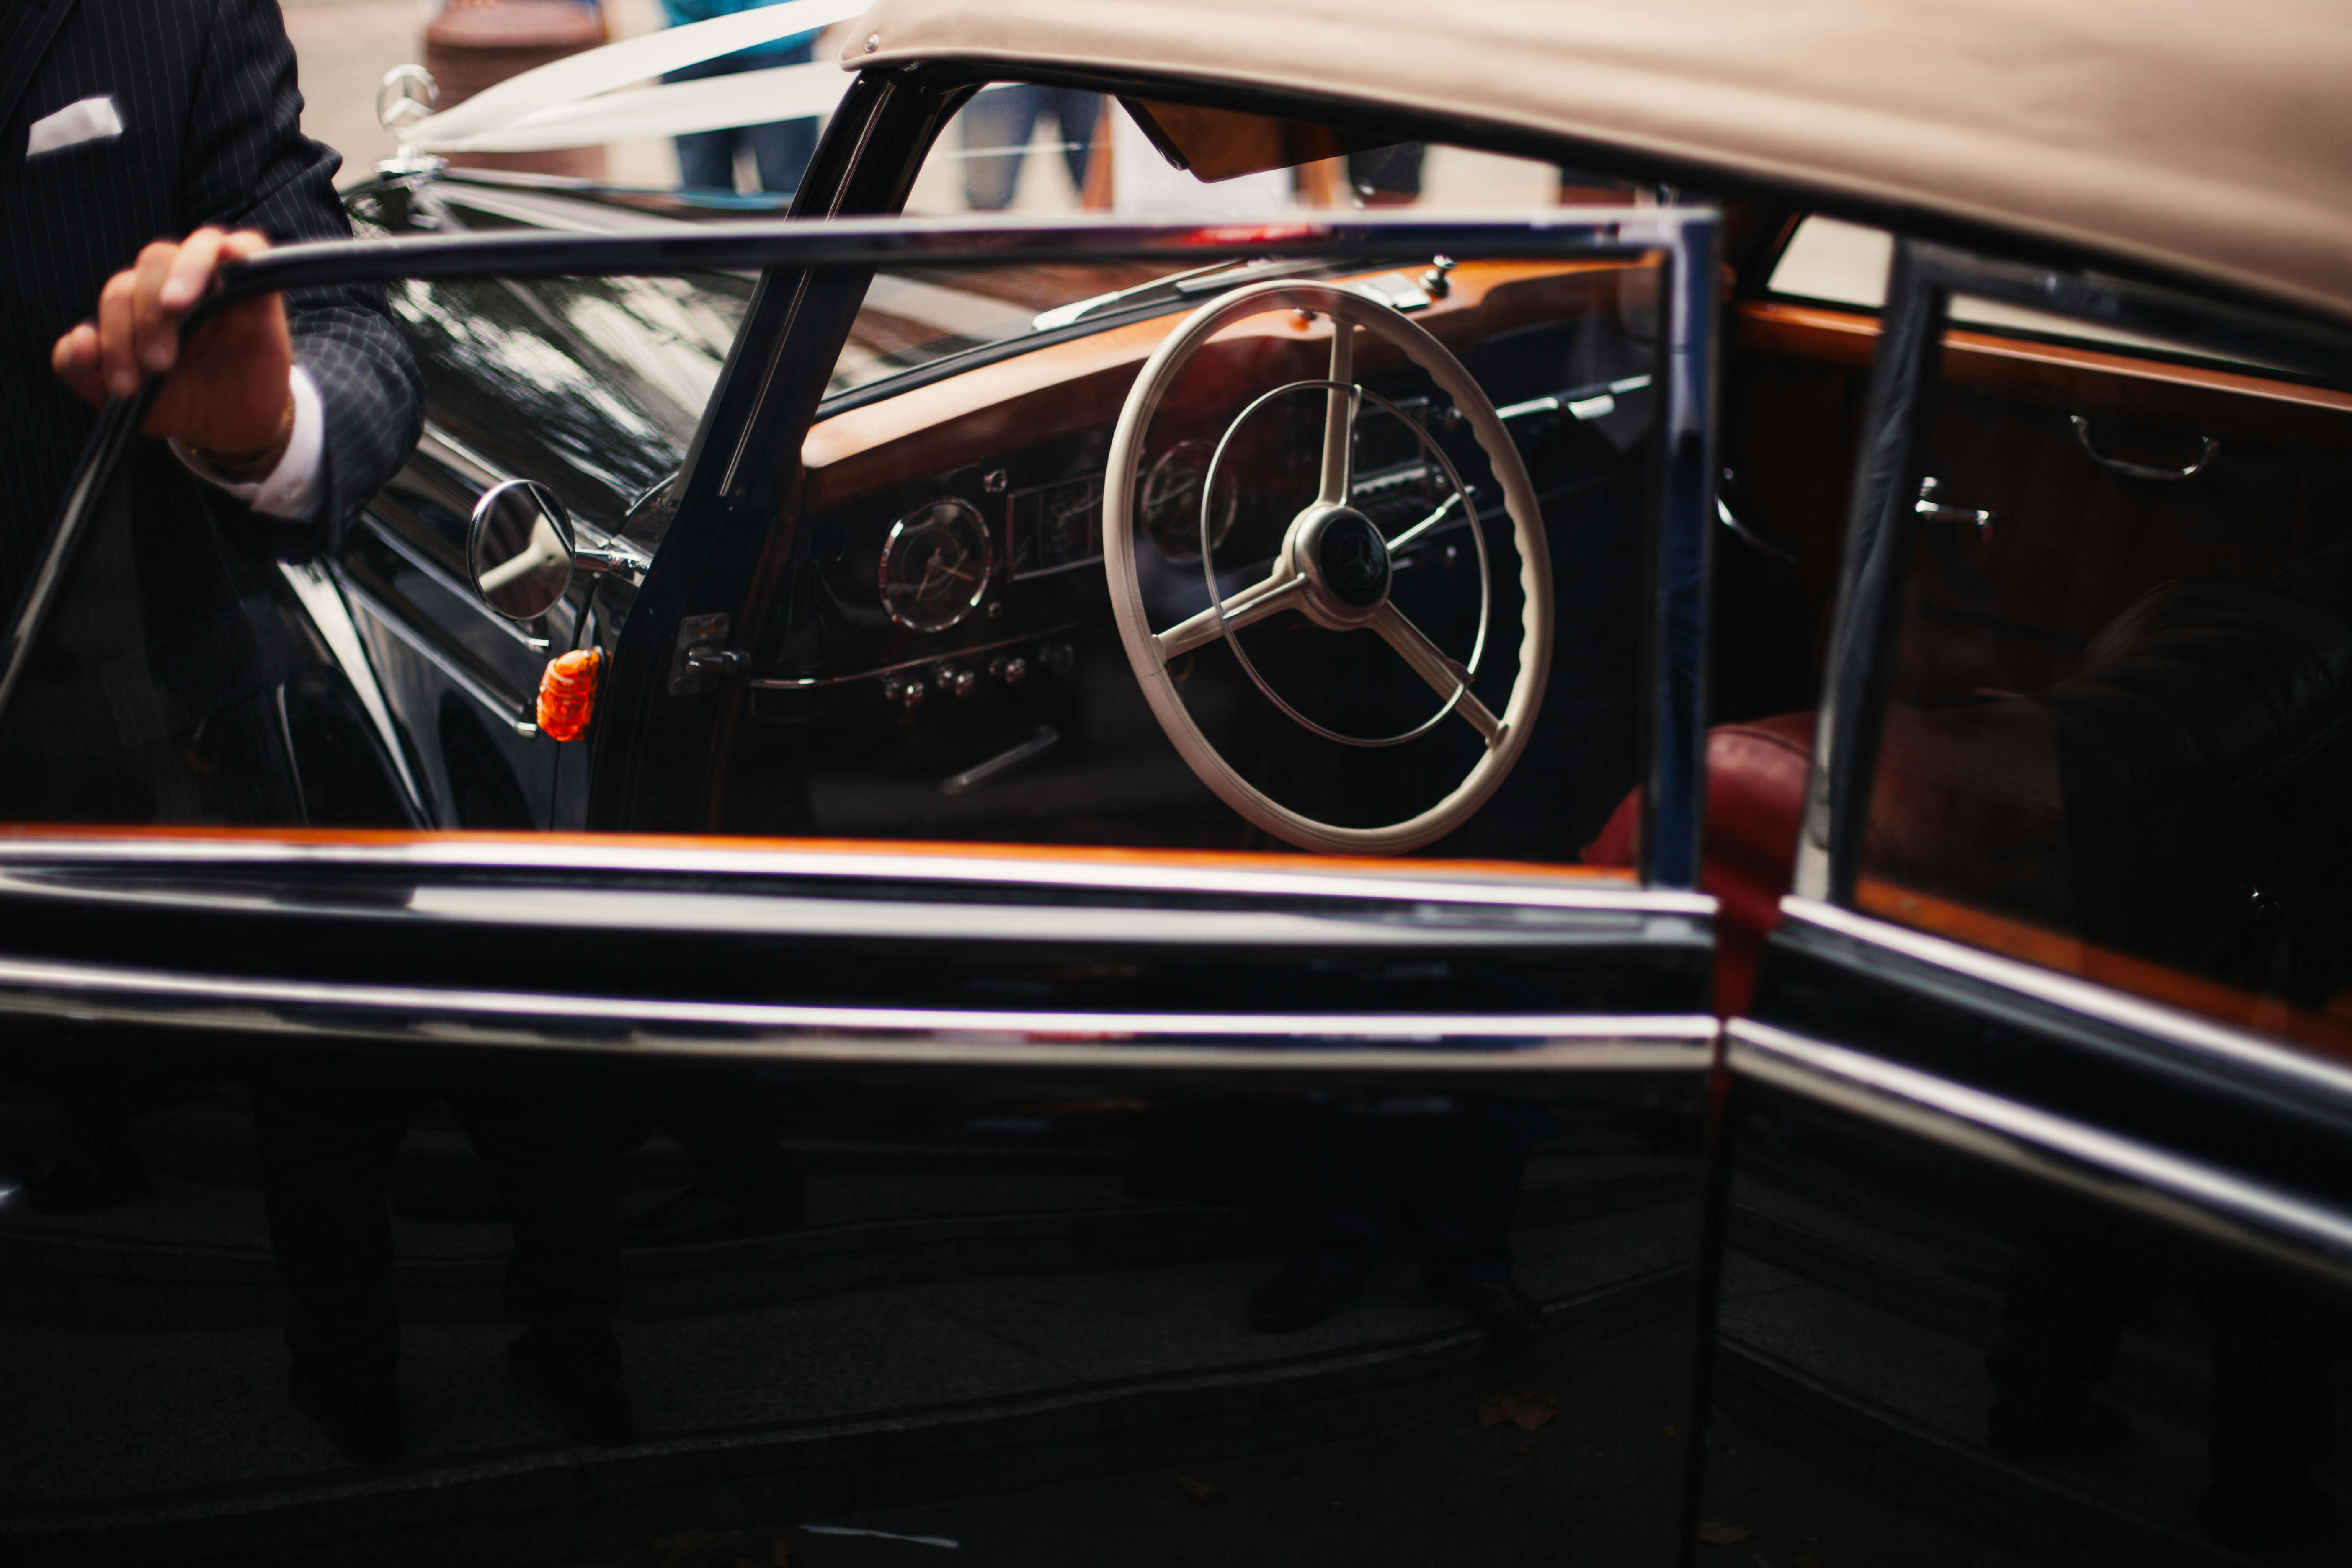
x,y
407,97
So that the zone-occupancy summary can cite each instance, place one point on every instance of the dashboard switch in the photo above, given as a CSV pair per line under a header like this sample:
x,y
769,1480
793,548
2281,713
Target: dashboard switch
x,y
1009,668
954,679
905,691
1059,657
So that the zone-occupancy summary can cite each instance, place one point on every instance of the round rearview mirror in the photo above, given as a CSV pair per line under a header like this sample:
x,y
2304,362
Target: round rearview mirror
x,y
519,548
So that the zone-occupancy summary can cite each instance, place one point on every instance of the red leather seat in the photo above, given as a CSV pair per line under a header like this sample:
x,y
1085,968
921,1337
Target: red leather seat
x,y
2179,797
1755,798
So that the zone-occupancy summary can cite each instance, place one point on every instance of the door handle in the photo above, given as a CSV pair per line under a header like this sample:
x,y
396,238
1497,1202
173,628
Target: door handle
x,y
2142,470
1935,511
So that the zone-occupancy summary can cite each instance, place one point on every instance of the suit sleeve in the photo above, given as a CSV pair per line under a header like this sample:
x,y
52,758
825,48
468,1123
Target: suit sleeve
x,y
247,165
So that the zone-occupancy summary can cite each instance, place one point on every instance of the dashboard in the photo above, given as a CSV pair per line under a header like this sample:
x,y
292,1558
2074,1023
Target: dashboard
x,y
937,656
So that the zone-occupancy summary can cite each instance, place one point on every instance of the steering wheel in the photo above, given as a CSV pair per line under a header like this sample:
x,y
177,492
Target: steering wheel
x,y
1333,566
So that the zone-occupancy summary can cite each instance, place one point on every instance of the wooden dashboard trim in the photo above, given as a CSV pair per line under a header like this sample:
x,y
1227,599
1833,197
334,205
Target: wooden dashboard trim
x,y
1069,388
2063,374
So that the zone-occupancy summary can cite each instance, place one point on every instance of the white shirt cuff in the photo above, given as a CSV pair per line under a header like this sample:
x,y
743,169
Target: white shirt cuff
x,y
291,489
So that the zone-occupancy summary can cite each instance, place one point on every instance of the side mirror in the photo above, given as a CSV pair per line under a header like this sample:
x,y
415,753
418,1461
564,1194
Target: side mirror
x,y
519,548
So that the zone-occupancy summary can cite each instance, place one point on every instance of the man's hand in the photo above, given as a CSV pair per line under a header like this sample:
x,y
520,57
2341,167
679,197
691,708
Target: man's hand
x,y
228,391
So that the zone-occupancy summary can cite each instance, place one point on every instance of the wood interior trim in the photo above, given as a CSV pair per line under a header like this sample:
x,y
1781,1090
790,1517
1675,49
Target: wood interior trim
x,y
1069,388
1236,859
2079,380
2051,950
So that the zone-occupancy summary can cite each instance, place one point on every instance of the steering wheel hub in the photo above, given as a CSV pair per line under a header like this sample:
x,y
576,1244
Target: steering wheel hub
x,y
1345,563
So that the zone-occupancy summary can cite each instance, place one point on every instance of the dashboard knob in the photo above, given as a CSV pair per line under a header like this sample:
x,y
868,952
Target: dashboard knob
x,y
1010,669
904,692
960,681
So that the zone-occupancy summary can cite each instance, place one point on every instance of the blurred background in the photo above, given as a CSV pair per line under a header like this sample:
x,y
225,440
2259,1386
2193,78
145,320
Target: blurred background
x,y
345,46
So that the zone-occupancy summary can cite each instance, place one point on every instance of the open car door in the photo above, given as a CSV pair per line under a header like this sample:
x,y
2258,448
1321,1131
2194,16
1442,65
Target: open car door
x,y
1307,1189
2034,1226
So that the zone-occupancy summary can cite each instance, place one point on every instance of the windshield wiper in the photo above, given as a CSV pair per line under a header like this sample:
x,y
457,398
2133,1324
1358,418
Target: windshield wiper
x,y
1175,286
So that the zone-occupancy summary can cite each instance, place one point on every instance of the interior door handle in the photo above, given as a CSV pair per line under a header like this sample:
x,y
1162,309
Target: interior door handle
x,y
1935,511
2142,470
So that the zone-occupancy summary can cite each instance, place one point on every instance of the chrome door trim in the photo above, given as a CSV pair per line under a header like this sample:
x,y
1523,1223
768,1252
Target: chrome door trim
x,y
2184,1195
322,600
2302,1075
505,710
1673,913
280,1010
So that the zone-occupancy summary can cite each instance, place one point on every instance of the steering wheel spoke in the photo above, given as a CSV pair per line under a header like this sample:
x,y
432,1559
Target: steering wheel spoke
x,y
1281,591
1420,530
1329,569
1340,405
1435,665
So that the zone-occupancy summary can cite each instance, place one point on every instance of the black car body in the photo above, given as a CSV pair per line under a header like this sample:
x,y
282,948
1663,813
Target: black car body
x,y
1980,1200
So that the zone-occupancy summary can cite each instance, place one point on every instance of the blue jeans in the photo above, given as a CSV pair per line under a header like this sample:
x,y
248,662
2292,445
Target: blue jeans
x,y
1006,117
706,159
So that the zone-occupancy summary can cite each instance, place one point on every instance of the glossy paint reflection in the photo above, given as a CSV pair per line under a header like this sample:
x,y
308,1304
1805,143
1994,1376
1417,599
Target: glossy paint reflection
x,y
1024,1310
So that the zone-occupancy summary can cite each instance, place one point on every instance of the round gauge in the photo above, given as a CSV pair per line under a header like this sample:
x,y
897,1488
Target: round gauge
x,y
935,565
1171,501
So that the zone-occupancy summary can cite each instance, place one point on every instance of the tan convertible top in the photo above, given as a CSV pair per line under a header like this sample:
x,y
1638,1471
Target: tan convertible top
x,y
2204,136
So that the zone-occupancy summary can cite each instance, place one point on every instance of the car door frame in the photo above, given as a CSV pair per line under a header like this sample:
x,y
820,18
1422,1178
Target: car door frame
x,y
1980,1053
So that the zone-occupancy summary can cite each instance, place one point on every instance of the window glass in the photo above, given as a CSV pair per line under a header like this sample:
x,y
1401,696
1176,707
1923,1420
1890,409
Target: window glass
x,y
930,644
1019,147
2120,719
1840,263
978,498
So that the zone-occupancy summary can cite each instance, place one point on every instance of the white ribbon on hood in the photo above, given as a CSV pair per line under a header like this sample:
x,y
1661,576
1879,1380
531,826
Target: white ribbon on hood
x,y
576,102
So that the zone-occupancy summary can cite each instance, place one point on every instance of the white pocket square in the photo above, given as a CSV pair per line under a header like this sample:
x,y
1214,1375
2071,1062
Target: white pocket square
x,y
88,120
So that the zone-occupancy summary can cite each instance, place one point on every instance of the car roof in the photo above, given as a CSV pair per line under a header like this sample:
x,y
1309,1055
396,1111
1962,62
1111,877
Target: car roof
x,y
2194,136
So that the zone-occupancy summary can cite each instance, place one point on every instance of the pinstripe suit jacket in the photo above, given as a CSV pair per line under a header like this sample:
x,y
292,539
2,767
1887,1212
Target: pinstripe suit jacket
x,y
211,133
156,693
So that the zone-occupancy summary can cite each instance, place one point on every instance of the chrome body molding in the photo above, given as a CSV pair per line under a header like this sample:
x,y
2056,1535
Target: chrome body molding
x,y
322,600
278,1009
29,853
2305,1075
2185,1195
507,711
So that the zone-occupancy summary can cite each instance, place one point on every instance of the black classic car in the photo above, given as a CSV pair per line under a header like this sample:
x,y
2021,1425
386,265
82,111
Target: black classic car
x,y
1584,801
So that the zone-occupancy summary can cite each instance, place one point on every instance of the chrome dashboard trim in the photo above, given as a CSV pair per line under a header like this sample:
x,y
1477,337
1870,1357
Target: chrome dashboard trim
x,y
2192,1034
2151,1182
811,683
279,1009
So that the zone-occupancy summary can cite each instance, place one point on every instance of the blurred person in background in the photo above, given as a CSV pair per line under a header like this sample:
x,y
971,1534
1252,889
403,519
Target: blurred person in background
x,y
997,125
780,152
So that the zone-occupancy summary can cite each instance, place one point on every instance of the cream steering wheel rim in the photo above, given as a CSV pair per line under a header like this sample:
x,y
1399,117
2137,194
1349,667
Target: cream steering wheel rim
x,y
1296,582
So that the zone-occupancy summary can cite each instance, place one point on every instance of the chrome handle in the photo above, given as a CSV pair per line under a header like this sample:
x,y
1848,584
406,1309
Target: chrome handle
x,y
2142,470
1934,510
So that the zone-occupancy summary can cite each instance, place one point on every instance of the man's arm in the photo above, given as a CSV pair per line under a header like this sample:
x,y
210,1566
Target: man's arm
x,y
230,392
250,167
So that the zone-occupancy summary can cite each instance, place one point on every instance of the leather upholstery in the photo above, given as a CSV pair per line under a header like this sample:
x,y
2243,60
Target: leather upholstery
x,y
1755,795
2185,795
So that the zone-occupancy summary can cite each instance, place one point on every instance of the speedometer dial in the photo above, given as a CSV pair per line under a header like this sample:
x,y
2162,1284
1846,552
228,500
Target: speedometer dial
x,y
935,565
1171,501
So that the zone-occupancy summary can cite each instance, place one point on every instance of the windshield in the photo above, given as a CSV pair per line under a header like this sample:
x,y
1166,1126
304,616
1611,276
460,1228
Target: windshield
x,y
917,316
1021,147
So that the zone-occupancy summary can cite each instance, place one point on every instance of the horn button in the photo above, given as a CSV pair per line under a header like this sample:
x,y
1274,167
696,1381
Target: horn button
x,y
1345,562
